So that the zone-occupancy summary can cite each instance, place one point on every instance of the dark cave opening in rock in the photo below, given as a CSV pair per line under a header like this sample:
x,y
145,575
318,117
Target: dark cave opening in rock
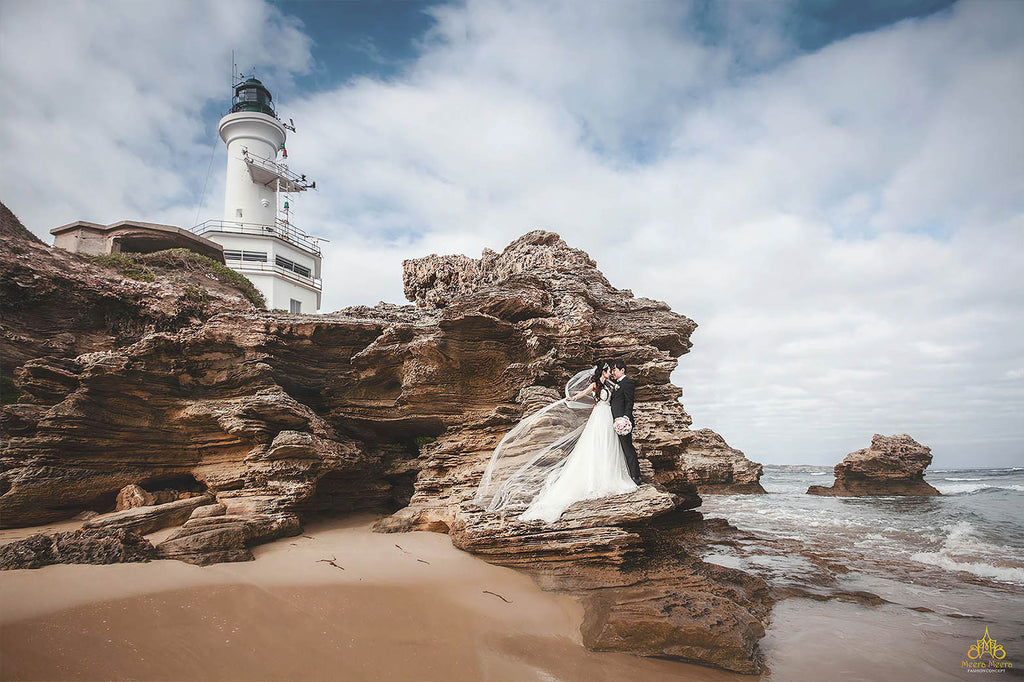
x,y
182,482
340,493
384,485
308,394
102,503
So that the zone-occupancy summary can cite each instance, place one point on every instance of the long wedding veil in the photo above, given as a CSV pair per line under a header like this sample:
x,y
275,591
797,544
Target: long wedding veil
x,y
535,450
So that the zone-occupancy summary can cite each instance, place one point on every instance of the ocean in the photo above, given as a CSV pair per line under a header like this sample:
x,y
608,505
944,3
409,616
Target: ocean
x,y
889,587
975,529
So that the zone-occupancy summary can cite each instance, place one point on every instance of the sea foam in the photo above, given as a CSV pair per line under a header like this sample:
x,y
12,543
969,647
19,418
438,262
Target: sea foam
x,y
961,488
963,550
968,488
981,569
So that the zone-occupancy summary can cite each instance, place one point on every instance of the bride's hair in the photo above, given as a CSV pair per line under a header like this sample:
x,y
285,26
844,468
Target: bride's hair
x,y
599,368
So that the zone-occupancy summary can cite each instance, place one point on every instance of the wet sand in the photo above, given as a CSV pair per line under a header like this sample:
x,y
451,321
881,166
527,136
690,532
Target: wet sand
x,y
401,607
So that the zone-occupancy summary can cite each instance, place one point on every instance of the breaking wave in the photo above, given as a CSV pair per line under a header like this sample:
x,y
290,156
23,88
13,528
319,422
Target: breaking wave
x,y
963,550
968,488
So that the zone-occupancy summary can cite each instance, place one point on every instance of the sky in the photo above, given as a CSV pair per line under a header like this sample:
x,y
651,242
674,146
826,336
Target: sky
x,y
833,191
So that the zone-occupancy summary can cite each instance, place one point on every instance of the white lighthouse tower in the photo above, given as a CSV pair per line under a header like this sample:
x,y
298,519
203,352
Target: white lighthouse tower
x,y
256,232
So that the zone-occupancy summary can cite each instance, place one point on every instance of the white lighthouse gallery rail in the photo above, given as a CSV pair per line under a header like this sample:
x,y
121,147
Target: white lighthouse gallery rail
x,y
280,229
249,266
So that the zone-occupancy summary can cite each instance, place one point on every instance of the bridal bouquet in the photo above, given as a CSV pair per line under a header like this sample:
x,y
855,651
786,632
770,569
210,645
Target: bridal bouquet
x,y
622,426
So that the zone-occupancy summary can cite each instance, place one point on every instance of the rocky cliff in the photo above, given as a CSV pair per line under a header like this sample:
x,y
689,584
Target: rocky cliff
x,y
892,465
258,419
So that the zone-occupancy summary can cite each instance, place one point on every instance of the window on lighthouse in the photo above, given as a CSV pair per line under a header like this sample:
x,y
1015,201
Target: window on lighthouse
x,y
250,256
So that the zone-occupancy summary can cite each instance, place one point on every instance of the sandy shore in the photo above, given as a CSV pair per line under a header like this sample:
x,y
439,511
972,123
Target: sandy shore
x,y
394,607
410,606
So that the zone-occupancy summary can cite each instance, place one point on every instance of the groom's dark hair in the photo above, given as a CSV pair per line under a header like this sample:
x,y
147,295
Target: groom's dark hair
x,y
619,364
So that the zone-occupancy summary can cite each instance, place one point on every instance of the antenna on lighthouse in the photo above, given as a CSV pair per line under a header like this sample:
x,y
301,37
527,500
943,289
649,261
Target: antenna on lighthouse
x,y
290,125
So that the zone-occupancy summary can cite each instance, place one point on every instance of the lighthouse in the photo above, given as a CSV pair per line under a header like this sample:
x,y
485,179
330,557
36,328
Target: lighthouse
x,y
256,231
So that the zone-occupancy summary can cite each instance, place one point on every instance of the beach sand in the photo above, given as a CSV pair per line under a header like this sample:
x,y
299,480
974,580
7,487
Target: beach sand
x,y
410,606
400,607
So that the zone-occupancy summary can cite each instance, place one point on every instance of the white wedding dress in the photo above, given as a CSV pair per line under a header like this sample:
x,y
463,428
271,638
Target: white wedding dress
x,y
596,467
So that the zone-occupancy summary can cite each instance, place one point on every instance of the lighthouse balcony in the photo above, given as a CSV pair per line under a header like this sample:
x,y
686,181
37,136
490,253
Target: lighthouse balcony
x,y
270,173
286,270
280,230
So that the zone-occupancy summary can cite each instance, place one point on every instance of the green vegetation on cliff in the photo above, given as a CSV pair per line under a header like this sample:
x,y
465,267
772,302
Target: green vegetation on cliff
x,y
141,266
126,264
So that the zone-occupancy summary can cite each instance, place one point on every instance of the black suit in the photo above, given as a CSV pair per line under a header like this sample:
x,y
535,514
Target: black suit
x,y
622,406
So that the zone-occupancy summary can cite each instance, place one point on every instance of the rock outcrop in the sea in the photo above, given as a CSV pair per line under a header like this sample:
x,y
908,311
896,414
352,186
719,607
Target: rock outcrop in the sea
x,y
892,465
398,408
710,464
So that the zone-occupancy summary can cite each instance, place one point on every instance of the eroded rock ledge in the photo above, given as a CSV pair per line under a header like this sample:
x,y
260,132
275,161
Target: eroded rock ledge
x,y
95,546
892,465
396,408
715,468
634,562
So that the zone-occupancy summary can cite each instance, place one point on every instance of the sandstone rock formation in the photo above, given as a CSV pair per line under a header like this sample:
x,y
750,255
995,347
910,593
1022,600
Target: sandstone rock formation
x,y
57,305
148,518
633,561
218,537
893,465
132,496
97,546
710,464
277,416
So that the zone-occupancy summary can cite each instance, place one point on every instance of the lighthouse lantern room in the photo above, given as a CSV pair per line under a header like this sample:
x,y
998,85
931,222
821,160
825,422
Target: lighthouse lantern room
x,y
256,232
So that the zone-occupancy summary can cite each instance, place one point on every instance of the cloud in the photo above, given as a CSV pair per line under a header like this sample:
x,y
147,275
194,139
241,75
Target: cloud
x,y
104,101
843,224
820,219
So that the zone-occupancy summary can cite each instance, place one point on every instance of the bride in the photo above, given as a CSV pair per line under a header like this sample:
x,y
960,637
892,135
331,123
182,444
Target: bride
x,y
549,460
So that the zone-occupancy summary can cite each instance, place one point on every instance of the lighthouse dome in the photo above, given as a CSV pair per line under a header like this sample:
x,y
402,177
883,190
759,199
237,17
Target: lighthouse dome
x,y
252,95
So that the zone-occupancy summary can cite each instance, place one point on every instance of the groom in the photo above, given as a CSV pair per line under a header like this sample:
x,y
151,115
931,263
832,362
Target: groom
x,y
622,406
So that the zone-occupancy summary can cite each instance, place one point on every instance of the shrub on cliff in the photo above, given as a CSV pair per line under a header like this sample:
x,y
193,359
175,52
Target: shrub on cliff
x,y
190,261
140,266
127,265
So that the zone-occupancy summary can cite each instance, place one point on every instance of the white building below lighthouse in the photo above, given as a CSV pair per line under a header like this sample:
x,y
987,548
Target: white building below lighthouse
x,y
256,232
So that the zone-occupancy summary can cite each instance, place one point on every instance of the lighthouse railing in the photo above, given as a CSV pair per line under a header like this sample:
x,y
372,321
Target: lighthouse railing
x,y
281,230
248,266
